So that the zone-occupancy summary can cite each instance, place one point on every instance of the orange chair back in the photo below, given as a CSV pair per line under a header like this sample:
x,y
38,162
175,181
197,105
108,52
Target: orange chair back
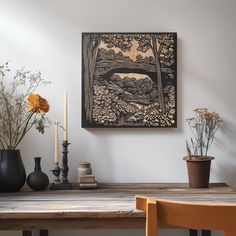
x,y
187,215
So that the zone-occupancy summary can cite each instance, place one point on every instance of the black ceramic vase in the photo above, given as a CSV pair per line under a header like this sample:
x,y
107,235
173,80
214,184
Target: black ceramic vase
x,y
37,180
12,171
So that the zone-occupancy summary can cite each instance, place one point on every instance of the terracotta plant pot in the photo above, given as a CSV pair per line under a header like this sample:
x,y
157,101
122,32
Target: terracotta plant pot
x,y
198,171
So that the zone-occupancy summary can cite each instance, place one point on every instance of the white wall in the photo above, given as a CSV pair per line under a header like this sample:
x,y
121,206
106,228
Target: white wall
x,y
46,35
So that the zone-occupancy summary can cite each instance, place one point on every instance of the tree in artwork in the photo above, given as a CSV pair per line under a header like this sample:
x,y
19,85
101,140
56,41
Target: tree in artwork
x,y
129,80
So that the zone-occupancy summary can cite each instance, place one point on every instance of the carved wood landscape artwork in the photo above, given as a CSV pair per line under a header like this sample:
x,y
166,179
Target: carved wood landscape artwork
x,y
129,80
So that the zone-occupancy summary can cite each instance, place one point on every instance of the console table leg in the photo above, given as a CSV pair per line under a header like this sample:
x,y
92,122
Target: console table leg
x,y
26,233
192,232
206,233
43,232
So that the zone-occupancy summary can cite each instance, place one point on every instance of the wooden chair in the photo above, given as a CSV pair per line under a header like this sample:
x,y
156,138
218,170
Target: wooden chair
x,y
187,215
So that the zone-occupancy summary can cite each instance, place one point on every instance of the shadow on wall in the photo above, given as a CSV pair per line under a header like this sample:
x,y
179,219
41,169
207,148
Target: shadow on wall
x,y
226,169
180,68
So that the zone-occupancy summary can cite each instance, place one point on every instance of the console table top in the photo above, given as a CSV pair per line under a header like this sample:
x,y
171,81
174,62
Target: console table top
x,y
112,205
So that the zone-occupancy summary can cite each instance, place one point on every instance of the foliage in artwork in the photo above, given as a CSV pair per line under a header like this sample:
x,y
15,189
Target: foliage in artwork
x,y
129,80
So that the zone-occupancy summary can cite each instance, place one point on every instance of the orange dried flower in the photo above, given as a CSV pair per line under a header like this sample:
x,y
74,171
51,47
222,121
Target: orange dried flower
x,y
38,104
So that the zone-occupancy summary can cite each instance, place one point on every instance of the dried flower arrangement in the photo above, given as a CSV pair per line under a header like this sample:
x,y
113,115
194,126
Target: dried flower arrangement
x,y
203,126
20,108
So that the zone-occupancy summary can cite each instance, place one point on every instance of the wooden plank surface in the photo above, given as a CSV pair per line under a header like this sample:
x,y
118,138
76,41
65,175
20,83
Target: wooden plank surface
x,y
112,205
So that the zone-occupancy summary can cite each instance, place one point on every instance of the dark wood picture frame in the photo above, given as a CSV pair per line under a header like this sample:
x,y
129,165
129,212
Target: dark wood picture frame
x,y
129,80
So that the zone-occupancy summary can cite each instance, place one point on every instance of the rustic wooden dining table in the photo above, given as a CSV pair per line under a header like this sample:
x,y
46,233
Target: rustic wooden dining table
x,y
112,206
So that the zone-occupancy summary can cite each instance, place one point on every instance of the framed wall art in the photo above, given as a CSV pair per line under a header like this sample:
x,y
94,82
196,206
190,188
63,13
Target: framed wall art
x,y
129,80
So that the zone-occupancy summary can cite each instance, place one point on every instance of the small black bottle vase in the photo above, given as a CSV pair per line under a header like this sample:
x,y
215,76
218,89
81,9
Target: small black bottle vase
x,y
37,180
12,171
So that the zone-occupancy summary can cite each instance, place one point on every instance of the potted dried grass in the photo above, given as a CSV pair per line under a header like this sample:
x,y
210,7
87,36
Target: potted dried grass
x,y
203,126
20,110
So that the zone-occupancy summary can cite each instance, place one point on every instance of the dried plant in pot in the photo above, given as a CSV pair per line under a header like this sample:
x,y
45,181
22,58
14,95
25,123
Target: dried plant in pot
x,y
20,110
203,126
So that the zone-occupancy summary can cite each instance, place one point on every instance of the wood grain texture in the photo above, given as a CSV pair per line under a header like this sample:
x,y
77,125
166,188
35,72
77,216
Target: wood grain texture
x,y
110,206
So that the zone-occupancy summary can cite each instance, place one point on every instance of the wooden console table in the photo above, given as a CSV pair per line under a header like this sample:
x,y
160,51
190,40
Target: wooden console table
x,y
110,206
